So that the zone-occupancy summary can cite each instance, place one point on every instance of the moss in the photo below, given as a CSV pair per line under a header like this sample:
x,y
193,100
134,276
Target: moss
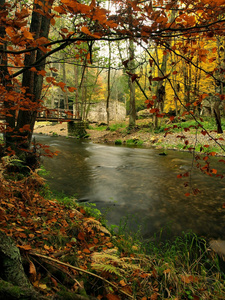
x,y
118,142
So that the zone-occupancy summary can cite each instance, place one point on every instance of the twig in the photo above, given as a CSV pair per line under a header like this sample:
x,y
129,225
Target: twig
x,y
80,270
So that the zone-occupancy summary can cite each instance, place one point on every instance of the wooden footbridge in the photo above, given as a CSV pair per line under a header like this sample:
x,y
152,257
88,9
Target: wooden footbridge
x,y
76,127
57,115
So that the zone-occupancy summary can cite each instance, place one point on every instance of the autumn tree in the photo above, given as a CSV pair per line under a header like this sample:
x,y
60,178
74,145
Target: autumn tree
x,y
27,47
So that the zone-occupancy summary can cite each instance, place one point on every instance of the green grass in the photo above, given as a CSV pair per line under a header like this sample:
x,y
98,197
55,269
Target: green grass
x,y
115,127
112,127
136,142
118,142
208,124
99,128
183,268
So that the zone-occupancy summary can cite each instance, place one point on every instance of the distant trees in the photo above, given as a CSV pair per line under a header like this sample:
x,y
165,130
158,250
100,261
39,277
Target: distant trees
x,y
192,42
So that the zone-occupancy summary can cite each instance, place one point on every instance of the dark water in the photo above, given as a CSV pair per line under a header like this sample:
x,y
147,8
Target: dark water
x,y
139,184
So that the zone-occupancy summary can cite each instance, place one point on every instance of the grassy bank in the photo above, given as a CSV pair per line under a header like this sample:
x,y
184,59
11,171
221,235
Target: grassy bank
x,y
67,251
179,134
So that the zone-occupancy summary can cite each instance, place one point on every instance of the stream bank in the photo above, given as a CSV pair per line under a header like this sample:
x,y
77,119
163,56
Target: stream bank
x,y
141,135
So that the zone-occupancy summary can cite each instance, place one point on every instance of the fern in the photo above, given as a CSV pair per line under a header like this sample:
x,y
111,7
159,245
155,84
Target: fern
x,y
107,268
110,262
96,224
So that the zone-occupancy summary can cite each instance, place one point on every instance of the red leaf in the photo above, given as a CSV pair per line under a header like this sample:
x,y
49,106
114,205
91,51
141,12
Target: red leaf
x,y
160,78
71,89
42,72
212,153
81,236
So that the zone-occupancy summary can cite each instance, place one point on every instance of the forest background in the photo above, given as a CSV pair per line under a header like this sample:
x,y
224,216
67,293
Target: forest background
x,y
167,55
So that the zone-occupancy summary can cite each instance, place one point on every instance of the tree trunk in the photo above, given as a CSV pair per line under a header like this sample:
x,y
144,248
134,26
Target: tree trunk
x,y
66,104
131,66
9,106
14,284
108,85
32,82
77,113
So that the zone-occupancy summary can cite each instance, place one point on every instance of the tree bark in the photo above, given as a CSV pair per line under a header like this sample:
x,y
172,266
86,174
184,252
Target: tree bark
x,y
32,81
131,66
9,106
13,281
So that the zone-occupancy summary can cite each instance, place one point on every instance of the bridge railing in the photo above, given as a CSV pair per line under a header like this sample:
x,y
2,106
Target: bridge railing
x,y
57,113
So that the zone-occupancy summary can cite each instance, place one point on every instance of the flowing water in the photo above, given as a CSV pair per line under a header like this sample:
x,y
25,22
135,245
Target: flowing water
x,y
138,185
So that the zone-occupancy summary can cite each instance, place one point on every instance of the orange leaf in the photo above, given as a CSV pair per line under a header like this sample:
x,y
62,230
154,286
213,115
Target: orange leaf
x,y
85,30
187,194
82,211
52,21
214,171
46,247
42,72
71,89
81,236
72,215
86,251
24,247
49,79
32,271
123,283
212,153
33,69
28,35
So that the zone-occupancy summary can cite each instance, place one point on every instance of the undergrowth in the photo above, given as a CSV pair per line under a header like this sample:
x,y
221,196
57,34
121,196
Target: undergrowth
x,y
78,255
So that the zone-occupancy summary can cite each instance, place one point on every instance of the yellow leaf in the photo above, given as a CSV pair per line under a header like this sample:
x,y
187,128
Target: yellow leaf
x,y
42,286
123,283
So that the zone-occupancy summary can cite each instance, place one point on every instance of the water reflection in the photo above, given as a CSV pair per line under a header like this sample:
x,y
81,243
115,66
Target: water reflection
x,y
138,183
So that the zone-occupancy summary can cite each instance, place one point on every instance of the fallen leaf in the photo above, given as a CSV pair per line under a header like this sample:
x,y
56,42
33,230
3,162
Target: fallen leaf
x,y
24,247
32,271
123,283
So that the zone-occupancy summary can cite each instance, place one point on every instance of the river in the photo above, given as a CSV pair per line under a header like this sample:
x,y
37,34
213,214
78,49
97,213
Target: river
x,y
138,186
